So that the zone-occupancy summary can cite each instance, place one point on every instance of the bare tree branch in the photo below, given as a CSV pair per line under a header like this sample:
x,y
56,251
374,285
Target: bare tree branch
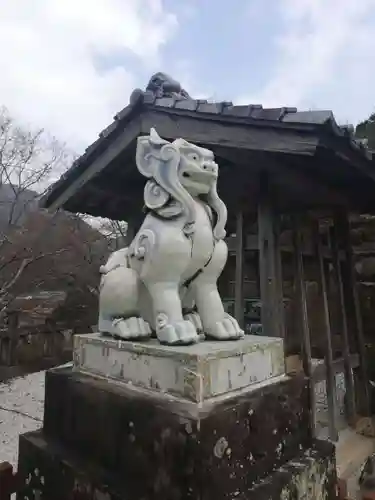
x,y
22,267
28,160
35,246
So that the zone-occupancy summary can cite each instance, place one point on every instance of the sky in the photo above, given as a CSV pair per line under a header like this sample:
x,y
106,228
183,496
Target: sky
x,y
70,65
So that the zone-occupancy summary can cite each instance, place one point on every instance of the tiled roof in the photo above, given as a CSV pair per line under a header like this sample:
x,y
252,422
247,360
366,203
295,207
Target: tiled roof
x,y
252,114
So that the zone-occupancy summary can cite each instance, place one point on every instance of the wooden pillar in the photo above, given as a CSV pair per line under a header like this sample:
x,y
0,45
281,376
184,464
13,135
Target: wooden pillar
x,y
301,297
354,316
272,320
279,276
349,381
330,374
239,277
130,232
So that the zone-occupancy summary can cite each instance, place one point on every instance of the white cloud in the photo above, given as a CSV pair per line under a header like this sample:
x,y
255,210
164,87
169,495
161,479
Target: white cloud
x,y
187,74
49,56
325,59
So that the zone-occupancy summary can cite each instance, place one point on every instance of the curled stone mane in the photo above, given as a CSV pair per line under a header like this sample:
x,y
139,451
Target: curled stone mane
x,y
159,160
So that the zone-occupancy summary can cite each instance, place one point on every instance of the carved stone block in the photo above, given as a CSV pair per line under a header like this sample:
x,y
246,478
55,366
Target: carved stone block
x,y
196,373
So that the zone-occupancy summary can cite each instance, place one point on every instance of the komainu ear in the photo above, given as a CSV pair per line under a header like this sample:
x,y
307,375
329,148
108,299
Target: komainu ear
x,y
148,153
156,139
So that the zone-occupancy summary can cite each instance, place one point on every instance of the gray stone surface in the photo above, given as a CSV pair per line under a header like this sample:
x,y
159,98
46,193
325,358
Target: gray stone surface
x,y
21,410
196,373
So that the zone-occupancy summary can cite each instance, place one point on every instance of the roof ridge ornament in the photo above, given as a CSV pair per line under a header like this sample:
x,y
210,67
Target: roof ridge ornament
x,y
160,86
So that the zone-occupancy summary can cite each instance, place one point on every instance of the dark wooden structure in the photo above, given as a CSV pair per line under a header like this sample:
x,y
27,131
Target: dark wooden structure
x,y
283,174
290,180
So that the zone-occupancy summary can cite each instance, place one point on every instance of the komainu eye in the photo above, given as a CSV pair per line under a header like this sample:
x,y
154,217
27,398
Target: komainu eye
x,y
193,156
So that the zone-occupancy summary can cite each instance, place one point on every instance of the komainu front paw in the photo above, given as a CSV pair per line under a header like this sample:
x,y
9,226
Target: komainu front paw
x,y
131,328
195,319
178,333
225,329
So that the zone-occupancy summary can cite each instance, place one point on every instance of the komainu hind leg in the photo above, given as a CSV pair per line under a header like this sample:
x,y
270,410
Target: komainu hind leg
x,y
216,322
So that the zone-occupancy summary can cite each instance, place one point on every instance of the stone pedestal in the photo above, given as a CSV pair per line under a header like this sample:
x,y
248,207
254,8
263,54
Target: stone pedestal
x,y
140,421
196,373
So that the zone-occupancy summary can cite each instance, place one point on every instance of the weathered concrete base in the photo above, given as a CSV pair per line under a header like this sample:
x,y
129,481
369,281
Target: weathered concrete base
x,y
147,422
48,471
154,447
197,373
310,476
226,444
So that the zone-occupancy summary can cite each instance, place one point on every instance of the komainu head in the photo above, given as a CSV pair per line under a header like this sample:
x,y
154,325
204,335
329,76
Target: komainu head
x,y
179,172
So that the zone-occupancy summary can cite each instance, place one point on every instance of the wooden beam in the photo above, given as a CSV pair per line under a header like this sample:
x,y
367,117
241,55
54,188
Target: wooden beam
x,y
301,297
251,244
361,160
331,385
129,134
349,381
320,373
130,232
279,277
238,292
269,286
353,309
290,174
197,129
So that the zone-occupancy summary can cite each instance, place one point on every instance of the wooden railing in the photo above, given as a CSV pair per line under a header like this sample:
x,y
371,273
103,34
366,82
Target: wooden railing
x,y
8,481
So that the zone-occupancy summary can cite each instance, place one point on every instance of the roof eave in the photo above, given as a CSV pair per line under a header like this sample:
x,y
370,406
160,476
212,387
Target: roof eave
x,y
90,165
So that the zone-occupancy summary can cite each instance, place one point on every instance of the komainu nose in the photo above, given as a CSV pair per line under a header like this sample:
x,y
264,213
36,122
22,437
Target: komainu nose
x,y
210,166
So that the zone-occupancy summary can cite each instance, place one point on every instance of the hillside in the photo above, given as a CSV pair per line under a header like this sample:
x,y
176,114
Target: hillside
x,y
61,252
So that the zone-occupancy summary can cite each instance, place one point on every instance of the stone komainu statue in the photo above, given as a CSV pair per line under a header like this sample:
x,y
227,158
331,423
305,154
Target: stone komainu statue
x,y
166,280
